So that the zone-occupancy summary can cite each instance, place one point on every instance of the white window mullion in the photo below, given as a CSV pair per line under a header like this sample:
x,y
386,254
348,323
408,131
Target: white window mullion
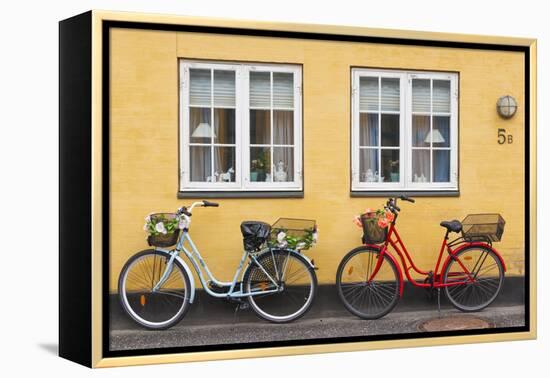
x,y
245,103
212,175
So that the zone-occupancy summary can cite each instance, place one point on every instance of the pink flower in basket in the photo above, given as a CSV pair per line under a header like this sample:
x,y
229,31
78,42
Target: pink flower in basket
x,y
383,222
389,216
357,221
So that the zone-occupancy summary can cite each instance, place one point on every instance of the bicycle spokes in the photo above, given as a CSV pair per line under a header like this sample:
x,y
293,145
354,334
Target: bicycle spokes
x,y
368,284
475,279
142,300
293,291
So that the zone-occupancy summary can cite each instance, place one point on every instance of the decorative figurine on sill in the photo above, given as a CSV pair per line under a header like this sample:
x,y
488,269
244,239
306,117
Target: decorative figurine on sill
x,y
213,178
226,177
370,176
279,172
268,177
419,178
373,176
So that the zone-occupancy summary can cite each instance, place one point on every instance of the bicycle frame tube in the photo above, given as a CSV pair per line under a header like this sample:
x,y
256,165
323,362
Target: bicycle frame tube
x,y
195,257
394,240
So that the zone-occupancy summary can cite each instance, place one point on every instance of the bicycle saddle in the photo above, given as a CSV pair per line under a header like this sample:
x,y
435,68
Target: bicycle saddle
x,y
454,225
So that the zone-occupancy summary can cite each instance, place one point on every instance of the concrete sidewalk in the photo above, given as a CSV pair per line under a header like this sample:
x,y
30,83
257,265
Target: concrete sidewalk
x,y
211,322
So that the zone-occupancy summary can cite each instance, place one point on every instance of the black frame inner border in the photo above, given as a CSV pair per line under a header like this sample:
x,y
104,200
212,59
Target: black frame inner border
x,y
107,25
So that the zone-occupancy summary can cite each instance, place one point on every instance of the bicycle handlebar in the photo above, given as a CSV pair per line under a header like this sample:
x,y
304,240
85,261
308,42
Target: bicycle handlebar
x,y
405,198
392,203
189,211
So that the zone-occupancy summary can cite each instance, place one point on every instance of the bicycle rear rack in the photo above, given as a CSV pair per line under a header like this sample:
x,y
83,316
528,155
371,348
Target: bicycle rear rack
x,y
471,239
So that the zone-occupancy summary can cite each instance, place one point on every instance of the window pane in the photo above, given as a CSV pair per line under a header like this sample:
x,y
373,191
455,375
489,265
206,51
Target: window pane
x,y
368,93
283,161
421,165
260,89
421,95
224,88
283,90
442,96
224,164
200,87
200,125
368,165
390,130
283,127
200,163
441,136
260,126
420,131
390,165
390,94
260,164
442,163
224,126
368,129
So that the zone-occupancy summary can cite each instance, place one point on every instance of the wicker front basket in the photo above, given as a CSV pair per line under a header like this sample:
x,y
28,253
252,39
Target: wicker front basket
x,y
163,241
372,232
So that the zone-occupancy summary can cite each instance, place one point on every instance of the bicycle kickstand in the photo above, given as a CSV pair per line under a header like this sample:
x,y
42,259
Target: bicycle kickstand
x,y
439,302
235,313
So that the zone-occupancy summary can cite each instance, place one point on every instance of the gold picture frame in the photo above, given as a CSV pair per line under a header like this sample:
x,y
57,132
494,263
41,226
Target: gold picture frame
x,y
88,33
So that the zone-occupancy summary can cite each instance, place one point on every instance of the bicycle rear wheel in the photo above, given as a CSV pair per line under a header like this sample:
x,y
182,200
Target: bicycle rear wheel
x,y
363,298
485,267
158,309
294,276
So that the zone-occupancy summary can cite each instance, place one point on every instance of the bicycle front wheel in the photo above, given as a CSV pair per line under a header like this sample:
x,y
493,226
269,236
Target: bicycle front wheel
x,y
365,295
296,285
154,309
476,274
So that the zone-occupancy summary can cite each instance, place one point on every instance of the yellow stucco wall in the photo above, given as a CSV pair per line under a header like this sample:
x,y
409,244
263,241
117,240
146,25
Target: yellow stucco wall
x,y
144,145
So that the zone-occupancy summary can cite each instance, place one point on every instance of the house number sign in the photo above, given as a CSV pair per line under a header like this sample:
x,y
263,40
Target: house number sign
x,y
504,138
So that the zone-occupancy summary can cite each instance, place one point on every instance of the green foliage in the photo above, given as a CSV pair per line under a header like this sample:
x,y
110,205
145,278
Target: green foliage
x,y
170,224
302,239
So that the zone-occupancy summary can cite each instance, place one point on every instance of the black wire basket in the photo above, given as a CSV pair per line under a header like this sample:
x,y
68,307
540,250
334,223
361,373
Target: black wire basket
x,y
372,232
293,227
163,240
483,226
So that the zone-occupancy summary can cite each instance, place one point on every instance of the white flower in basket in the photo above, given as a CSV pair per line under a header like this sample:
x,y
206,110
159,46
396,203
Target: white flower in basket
x,y
300,245
160,228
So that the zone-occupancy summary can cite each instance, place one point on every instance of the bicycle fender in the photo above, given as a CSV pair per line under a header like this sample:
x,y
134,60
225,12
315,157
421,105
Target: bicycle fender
x,y
191,279
309,261
474,244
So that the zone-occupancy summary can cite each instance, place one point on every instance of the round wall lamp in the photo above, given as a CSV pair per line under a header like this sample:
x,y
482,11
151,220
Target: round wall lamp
x,y
507,106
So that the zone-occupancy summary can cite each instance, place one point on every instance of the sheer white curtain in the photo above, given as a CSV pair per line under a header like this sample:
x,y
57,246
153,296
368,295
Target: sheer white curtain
x,y
283,134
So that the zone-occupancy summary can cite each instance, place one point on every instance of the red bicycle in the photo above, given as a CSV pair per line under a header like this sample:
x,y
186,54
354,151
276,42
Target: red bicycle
x,y
370,279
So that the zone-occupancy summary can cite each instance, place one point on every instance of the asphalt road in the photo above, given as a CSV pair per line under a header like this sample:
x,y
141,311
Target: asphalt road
x,y
245,327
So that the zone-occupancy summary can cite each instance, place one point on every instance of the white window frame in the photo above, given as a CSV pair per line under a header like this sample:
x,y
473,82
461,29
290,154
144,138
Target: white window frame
x,y
405,121
242,128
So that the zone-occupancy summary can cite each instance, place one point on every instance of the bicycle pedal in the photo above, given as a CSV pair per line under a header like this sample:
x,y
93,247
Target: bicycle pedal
x,y
244,306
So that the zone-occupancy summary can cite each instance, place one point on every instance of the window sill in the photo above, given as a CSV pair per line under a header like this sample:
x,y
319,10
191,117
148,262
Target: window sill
x,y
240,194
410,193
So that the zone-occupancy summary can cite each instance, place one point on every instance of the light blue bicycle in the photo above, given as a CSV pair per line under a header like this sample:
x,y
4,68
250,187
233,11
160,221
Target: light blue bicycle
x,y
156,286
